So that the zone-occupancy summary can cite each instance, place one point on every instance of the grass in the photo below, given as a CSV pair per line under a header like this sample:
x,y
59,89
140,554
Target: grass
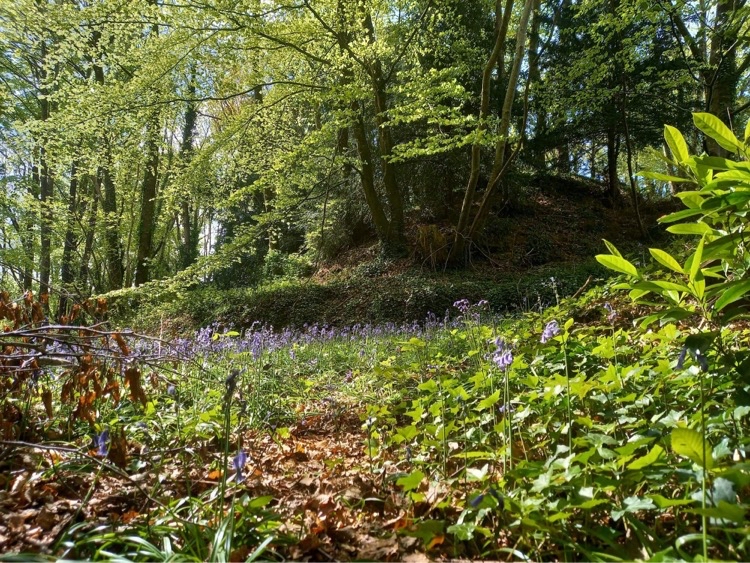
x,y
372,442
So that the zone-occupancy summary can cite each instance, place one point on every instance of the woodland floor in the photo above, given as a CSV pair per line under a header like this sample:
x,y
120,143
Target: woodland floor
x,y
333,506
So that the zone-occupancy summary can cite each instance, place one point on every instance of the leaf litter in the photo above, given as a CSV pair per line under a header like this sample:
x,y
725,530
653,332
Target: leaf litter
x,y
327,498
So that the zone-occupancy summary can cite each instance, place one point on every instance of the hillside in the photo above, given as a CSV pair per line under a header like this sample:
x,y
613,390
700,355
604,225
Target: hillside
x,y
538,249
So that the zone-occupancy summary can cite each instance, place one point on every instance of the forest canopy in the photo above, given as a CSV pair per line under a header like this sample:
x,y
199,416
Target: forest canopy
x,y
222,141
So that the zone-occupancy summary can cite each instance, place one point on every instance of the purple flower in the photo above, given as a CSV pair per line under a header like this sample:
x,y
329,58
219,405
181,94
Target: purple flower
x,y
171,390
502,357
462,305
102,443
239,462
348,377
550,331
612,313
476,501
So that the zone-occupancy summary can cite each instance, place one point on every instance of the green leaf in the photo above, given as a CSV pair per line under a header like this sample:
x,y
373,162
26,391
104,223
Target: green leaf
x,y
676,143
679,215
731,292
488,401
666,259
662,177
612,249
651,457
689,443
724,511
411,481
695,265
717,130
747,132
617,263
663,502
690,229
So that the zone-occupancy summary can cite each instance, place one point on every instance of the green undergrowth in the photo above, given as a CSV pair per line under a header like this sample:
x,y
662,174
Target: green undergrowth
x,y
371,293
500,437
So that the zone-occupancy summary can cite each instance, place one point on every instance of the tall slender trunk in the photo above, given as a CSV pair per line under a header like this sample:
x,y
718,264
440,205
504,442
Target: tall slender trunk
x,y
460,239
189,234
66,264
106,187
91,210
147,220
396,239
722,77
535,77
45,189
499,167
613,148
361,141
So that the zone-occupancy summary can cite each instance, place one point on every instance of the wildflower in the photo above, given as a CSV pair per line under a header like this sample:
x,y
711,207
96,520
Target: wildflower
x,y
348,377
697,354
612,313
239,462
476,500
102,443
462,305
483,303
171,390
550,331
231,384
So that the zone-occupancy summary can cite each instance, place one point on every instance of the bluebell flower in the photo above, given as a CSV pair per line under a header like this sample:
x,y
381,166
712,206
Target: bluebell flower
x,y
239,462
502,357
681,359
462,305
612,313
102,443
171,390
550,331
476,501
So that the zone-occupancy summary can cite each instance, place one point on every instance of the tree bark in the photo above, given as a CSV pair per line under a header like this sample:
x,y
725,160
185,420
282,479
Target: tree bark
x,y
499,166
147,221
460,238
69,245
106,188
189,234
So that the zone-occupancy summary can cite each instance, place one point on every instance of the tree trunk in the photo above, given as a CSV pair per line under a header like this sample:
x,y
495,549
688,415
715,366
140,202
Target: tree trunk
x,y
106,187
189,239
499,166
395,236
147,221
367,176
460,239
613,182
721,82
535,77
66,265
91,210
45,190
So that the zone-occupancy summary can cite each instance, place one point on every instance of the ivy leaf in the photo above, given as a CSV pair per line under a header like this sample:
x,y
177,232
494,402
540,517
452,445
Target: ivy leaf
x,y
648,459
411,481
689,443
488,401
